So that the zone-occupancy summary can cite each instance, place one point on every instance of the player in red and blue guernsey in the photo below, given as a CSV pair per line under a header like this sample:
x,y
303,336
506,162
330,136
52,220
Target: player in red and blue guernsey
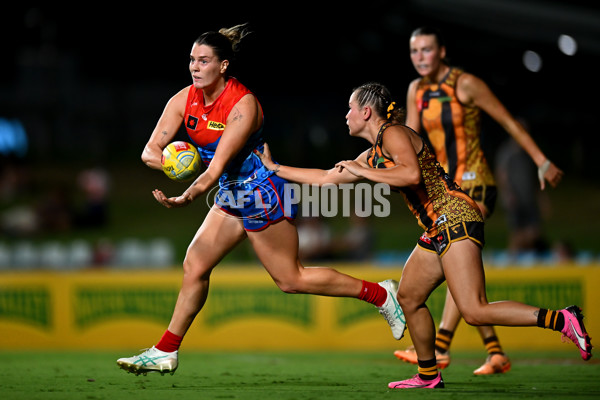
x,y
245,176
224,119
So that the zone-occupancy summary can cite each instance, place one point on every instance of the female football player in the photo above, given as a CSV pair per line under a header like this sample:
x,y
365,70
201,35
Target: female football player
x,y
444,104
224,119
449,249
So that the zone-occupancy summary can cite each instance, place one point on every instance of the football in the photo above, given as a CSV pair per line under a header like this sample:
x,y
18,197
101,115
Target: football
x,y
180,161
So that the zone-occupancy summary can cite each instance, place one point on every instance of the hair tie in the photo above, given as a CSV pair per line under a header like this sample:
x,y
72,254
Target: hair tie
x,y
390,109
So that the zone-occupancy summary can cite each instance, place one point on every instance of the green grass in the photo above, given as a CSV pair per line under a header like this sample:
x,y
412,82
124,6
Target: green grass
x,y
254,375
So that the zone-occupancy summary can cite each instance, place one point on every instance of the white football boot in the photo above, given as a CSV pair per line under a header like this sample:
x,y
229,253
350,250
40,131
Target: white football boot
x,y
391,310
151,360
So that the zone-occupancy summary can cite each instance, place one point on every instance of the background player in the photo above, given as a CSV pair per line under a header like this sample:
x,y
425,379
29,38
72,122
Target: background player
x,y
445,104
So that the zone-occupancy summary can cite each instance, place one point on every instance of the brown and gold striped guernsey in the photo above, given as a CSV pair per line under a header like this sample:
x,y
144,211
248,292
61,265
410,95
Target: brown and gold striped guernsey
x,y
453,131
437,201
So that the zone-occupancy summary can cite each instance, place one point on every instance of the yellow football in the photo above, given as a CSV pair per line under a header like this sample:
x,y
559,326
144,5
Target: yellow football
x,y
180,161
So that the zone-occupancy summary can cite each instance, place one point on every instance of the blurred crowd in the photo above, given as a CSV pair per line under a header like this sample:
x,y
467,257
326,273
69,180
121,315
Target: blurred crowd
x,y
30,210
34,214
30,207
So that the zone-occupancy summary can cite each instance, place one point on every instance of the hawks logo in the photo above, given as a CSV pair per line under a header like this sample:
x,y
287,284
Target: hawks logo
x,y
458,228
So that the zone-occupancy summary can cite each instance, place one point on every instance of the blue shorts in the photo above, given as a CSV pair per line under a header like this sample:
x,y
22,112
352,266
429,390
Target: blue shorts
x,y
258,205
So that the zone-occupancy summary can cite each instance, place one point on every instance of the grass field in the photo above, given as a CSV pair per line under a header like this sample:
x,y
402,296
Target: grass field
x,y
282,376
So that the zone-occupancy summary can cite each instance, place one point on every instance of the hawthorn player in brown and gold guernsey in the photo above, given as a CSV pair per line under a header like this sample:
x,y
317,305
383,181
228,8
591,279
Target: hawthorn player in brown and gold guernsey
x,y
449,249
439,205
444,104
454,130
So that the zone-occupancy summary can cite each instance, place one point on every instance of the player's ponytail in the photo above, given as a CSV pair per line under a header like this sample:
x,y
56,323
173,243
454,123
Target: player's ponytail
x,y
396,114
225,42
235,34
379,98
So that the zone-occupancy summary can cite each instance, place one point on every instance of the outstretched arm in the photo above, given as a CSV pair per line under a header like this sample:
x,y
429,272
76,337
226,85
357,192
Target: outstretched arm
x,y
401,146
472,90
310,175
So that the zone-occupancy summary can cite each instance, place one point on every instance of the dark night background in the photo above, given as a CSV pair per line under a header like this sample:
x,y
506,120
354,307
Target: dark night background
x,y
88,83
90,79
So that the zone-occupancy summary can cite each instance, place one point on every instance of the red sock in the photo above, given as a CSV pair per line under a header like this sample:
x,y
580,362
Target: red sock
x,y
169,342
373,293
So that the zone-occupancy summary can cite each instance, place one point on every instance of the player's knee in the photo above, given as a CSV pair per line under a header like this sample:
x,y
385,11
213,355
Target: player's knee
x,y
195,271
293,283
406,300
474,317
289,287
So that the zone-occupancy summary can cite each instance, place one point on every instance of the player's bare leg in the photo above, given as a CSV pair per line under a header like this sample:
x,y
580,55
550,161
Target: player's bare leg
x,y
450,319
422,273
277,249
217,235
465,277
496,361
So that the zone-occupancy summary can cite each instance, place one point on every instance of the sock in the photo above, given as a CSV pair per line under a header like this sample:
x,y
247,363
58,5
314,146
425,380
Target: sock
x,y
549,319
373,293
169,342
442,340
492,345
428,369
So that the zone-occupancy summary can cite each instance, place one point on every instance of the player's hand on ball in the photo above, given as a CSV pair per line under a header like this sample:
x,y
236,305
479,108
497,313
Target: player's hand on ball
x,y
172,202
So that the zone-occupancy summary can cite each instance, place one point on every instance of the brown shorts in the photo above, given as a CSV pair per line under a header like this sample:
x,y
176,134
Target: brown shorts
x,y
453,233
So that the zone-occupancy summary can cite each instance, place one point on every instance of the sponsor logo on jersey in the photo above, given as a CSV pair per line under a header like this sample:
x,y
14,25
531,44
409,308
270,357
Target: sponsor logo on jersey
x,y
215,126
441,219
192,122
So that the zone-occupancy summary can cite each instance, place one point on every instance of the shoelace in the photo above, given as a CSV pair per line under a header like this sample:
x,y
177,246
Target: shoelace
x,y
387,317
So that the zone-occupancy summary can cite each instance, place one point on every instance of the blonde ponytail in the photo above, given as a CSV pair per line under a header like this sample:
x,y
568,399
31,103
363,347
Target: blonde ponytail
x,y
235,34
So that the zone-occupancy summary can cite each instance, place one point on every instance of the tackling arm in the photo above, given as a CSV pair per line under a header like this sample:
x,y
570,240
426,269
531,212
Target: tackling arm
x,y
473,90
319,177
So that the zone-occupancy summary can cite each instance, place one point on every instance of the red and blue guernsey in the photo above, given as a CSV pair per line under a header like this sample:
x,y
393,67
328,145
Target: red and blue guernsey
x,y
247,189
205,125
